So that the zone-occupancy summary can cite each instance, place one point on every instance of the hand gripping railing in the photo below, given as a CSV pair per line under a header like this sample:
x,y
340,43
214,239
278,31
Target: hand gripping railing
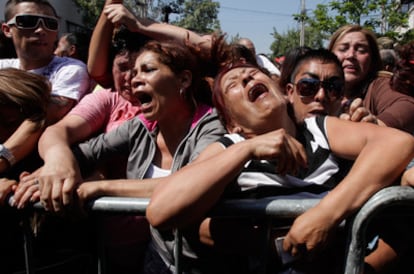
x,y
274,207
383,199
269,207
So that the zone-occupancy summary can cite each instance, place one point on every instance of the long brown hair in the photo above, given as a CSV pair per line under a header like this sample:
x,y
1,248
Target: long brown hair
x,y
376,63
26,91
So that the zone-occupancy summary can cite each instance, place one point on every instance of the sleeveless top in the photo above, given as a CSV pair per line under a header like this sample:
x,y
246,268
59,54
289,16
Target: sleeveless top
x,y
259,177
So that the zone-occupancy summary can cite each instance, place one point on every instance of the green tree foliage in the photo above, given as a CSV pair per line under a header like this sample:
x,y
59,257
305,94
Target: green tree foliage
x,y
200,16
384,17
290,39
91,9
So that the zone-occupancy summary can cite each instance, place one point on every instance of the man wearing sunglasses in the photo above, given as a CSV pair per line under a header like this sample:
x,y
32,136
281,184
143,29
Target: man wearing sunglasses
x,y
316,85
32,25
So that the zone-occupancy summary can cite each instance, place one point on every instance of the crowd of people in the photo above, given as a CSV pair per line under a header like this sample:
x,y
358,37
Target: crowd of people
x,y
157,111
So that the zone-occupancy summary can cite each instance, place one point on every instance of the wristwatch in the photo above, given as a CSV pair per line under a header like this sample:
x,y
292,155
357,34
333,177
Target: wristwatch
x,y
6,154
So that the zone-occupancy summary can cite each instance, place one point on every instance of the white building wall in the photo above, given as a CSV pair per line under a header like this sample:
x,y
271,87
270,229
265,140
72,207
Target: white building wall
x,y
68,13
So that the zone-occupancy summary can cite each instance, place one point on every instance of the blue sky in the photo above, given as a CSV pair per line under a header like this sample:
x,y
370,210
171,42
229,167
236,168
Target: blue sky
x,y
256,19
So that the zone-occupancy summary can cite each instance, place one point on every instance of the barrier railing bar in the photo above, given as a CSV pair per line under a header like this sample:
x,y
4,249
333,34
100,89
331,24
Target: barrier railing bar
x,y
274,207
178,251
101,254
385,198
27,245
268,207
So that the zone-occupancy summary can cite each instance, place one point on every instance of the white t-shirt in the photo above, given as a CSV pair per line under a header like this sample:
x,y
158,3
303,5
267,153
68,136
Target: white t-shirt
x,y
264,62
69,77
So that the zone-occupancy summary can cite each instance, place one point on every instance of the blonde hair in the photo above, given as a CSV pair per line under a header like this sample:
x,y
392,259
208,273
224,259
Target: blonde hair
x,y
28,92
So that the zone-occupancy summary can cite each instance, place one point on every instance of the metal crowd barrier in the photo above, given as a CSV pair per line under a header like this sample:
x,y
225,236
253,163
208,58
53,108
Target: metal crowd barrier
x,y
382,200
269,207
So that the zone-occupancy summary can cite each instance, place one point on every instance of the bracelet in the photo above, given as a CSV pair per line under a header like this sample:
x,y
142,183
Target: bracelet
x,y
6,154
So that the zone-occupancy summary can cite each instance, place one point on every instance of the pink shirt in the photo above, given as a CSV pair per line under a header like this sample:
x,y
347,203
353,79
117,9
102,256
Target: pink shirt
x,y
105,110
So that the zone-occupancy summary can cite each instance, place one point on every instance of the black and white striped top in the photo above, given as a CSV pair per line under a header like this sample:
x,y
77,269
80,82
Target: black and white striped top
x,y
259,177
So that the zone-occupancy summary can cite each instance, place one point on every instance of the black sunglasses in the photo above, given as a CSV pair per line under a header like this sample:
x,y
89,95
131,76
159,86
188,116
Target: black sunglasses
x,y
32,21
309,87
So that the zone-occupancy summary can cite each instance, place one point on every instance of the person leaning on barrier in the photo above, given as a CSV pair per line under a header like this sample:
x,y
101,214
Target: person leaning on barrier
x,y
262,133
33,25
24,98
175,125
98,112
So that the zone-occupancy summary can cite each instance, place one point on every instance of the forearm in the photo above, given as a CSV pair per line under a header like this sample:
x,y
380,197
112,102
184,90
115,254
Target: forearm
x,y
369,174
54,140
22,142
188,194
165,32
125,187
98,61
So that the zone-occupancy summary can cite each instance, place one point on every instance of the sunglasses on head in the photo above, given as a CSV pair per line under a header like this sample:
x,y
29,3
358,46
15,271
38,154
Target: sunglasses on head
x,y
309,87
32,21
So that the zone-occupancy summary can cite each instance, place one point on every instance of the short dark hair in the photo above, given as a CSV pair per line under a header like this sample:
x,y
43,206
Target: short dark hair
x,y
125,40
289,64
323,55
72,38
81,41
11,4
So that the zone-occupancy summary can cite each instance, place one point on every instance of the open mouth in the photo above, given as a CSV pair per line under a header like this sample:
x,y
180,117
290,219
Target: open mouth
x,y
144,98
256,91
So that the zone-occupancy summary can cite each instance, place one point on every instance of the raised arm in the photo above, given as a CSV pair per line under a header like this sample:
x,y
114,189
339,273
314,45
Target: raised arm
x,y
119,15
99,47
